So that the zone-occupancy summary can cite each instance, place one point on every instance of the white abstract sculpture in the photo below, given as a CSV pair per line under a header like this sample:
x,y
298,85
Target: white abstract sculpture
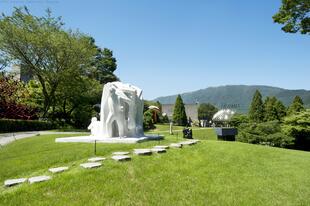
x,y
121,113
121,117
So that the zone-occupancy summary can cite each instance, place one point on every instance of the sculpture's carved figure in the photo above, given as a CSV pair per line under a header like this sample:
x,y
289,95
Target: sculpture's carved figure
x,y
94,126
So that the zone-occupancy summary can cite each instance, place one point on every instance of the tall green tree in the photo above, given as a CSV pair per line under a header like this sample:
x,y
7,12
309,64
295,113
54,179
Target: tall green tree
x,y
294,15
53,55
296,106
270,108
206,111
281,110
103,64
179,114
256,112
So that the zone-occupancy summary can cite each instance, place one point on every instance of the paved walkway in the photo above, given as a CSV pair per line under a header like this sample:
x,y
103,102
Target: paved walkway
x,y
6,138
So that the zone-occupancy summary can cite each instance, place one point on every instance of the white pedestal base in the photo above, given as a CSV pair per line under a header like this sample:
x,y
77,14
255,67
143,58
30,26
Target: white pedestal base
x,y
92,139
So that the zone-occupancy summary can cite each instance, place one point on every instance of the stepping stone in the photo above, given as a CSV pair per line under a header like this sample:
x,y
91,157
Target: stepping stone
x,y
161,147
12,182
176,145
90,165
120,153
121,157
187,143
38,179
195,140
142,151
58,169
159,150
96,159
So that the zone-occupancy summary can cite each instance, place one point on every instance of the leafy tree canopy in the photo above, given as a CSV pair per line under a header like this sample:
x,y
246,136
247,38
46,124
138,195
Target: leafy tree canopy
x,y
61,60
296,106
298,126
294,15
206,111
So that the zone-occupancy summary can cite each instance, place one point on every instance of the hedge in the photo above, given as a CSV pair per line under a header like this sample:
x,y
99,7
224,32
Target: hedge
x,y
13,125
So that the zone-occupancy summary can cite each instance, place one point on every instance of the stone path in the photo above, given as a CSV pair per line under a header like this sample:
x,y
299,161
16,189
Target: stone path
x,y
176,145
96,159
121,157
142,151
161,147
12,182
159,150
36,179
94,162
120,153
90,165
58,169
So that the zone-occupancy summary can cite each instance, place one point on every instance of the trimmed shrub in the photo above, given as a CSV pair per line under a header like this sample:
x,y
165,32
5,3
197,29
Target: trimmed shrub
x,y
267,133
148,120
13,125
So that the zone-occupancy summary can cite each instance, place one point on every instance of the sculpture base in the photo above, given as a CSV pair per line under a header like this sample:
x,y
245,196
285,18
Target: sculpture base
x,y
123,140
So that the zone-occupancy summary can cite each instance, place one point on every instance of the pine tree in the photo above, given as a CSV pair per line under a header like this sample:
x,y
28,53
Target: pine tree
x,y
296,106
179,114
270,109
281,110
256,112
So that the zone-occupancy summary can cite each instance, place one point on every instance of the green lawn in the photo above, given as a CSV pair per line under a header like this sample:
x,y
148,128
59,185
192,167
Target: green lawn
x,y
198,132
209,173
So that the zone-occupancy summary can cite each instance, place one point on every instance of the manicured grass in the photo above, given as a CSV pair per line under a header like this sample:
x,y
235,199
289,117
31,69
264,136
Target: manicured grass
x,y
198,132
209,173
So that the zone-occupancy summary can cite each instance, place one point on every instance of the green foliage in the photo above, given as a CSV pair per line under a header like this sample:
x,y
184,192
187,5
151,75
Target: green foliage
x,y
54,52
202,174
148,120
206,111
281,110
294,15
67,65
267,133
298,126
179,114
35,95
256,112
103,65
296,106
62,61
270,109
164,119
274,109
73,98
238,119
12,125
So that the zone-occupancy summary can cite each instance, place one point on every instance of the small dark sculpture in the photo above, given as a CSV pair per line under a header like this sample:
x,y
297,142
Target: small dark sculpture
x,y
187,133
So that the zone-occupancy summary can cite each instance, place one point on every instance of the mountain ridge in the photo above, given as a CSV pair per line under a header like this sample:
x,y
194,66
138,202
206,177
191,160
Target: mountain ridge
x,y
237,97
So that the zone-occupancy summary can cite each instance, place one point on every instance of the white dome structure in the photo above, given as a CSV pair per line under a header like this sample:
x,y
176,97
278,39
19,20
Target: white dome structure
x,y
223,115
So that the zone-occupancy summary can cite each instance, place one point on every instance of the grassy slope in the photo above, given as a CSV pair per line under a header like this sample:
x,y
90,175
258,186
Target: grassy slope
x,y
211,172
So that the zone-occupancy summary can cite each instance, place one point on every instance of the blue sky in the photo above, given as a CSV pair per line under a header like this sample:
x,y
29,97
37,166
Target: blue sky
x,y
173,46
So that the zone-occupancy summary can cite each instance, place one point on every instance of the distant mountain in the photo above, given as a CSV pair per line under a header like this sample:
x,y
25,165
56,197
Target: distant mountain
x,y
237,97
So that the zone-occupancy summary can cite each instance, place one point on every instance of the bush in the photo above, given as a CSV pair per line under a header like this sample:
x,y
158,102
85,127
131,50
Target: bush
x,y
267,133
12,125
148,120
238,119
298,126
